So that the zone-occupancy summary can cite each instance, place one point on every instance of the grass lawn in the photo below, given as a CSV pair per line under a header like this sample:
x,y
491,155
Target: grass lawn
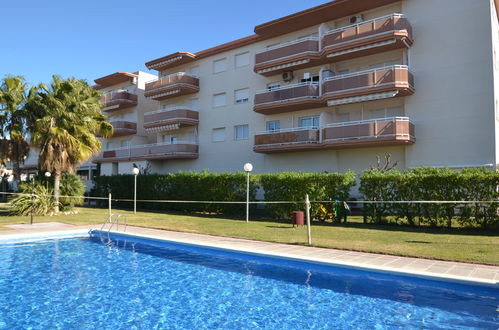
x,y
456,245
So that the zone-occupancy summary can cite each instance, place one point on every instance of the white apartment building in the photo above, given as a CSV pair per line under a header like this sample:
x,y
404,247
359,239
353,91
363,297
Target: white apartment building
x,y
325,89
125,106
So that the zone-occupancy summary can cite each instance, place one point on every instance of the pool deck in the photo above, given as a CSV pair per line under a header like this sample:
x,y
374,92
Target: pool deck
x,y
435,269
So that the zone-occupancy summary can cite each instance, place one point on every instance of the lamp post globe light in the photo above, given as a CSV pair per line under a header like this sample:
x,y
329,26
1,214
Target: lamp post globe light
x,y
48,175
135,172
248,167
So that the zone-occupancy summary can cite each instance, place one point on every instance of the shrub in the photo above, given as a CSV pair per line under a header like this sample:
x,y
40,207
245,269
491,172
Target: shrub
x,y
432,184
42,203
71,185
185,186
292,186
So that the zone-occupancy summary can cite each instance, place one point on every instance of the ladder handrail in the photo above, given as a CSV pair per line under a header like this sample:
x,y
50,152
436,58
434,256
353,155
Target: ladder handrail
x,y
113,222
106,221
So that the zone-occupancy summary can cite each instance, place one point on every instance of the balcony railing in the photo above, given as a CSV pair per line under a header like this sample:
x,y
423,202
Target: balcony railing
x,y
173,85
381,131
293,139
171,118
393,31
352,134
365,38
395,78
118,100
287,98
179,150
290,54
122,128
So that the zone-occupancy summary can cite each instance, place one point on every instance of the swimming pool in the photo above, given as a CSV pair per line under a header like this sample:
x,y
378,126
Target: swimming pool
x,y
141,283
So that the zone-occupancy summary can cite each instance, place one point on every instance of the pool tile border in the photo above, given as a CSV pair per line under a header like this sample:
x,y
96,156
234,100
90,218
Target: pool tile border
x,y
481,275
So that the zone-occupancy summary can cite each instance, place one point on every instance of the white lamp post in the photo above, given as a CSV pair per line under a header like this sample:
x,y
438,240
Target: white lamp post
x,y
47,175
247,168
135,172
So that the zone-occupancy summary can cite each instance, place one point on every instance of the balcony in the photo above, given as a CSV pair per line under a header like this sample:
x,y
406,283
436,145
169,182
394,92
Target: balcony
x,y
294,139
173,85
180,150
366,133
365,38
288,98
354,134
170,119
123,128
368,85
118,100
290,55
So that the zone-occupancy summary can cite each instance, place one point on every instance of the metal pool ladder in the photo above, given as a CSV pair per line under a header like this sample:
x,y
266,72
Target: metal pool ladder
x,y
109,221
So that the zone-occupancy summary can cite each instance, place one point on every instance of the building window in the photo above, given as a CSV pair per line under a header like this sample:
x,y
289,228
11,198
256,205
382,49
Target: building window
x,y
195,104
273,126
195,70
219,100
83,174
114,169
242,59
218,134
310,122
273,86
308,77
220,65
241,95
241,132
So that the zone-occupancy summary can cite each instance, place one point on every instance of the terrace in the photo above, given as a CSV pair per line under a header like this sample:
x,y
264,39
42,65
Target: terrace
x,y
170,119
173,85
378,83
119,100
369,37
123,128
287,98
179,150
352,134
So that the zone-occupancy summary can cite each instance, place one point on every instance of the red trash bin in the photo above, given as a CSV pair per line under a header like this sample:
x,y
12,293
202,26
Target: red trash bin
x,y
297,218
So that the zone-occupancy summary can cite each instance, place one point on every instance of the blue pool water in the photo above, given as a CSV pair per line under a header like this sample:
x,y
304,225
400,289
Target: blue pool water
x,y
138,284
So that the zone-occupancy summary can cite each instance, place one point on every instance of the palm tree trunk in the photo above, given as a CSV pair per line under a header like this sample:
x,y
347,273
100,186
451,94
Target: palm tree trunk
x,y
57,181
16,172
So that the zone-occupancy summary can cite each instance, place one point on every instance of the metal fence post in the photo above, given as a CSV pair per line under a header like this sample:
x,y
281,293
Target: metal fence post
x,y
307,205
109,205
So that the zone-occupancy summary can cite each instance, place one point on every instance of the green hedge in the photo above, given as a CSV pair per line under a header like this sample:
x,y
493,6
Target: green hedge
x,y
292,186
190,186
205,186
432,184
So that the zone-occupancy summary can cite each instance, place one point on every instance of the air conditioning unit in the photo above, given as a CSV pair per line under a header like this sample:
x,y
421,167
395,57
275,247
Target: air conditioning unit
x,y
306,75
287,76
356,19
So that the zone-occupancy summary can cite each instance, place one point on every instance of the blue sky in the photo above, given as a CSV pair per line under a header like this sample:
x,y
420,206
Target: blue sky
x,y
89,39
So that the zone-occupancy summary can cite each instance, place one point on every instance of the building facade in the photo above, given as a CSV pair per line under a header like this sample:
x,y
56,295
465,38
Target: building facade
x,y
325,89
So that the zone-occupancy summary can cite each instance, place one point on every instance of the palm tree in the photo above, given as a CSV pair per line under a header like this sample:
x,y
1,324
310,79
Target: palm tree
x,y
14,95
66,119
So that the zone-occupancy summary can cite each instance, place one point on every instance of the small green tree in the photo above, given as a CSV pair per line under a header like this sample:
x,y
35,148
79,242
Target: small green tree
x,y
66,120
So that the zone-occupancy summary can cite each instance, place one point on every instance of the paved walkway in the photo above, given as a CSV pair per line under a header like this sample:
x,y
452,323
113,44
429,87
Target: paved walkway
x,y
453,271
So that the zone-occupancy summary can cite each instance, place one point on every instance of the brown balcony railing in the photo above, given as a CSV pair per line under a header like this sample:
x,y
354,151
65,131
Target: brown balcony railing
x,y
187,150
171,118
353,134
172,86
122,128
393,31
290,54
396,78
118,100
287,98
302,138
378,132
